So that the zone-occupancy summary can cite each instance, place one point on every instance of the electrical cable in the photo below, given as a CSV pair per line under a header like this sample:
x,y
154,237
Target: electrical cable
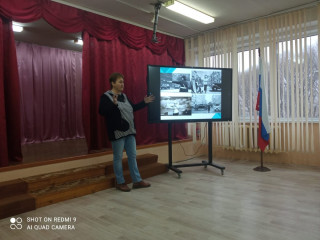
x,y
197,151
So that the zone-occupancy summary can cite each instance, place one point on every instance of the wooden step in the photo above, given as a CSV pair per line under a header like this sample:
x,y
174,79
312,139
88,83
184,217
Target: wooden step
x,y
72,190
12,188
50,180
86,186
157,169
147,171
15,205
27,194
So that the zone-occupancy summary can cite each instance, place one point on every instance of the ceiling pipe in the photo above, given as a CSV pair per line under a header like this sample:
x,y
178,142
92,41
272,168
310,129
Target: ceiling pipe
x,y
157,7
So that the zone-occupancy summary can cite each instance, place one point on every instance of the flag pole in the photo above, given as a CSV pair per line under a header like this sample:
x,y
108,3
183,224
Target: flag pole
x,y
261,168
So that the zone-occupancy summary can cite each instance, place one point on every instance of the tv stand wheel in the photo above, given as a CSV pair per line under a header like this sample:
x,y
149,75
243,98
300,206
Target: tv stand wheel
x,y
205,164
222,172
179,175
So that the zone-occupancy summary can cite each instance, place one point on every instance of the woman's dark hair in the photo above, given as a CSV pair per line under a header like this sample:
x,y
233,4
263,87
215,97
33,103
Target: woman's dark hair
x,y
114,76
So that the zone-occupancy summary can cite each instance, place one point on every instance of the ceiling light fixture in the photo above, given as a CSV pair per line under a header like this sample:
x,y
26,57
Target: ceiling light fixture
x,y
78,41
17,28
189,12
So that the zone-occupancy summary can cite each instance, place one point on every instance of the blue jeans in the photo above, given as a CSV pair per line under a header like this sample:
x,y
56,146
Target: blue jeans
x,y
129,144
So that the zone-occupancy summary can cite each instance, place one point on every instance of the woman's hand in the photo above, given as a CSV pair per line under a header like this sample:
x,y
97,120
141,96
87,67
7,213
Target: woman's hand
x,y
149,99
115,99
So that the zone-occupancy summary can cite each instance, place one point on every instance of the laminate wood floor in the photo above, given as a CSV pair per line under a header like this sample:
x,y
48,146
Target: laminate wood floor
x,y
283,204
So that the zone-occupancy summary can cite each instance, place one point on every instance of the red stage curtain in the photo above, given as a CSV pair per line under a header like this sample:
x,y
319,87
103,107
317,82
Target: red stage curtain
x,y
10,147
51,89
100,59
69,19
136,50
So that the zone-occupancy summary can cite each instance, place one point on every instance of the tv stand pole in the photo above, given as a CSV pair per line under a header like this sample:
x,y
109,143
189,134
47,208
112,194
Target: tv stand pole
x,y
203,163
209,162
170,166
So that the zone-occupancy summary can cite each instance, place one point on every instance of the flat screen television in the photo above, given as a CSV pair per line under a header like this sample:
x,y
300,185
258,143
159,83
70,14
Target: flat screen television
x,y
189,94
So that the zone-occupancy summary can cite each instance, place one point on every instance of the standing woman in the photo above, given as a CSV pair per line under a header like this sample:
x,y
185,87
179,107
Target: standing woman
x,y
118,112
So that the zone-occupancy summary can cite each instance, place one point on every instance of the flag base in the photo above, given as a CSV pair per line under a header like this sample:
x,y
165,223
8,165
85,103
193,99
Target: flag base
x,y
262,169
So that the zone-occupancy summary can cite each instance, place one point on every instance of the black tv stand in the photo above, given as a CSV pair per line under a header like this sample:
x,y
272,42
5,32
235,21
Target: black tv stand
x,y
203,163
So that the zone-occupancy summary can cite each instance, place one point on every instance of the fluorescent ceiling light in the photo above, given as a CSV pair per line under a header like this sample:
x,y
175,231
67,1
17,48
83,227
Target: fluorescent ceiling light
x,y
78,41
17,28
190,12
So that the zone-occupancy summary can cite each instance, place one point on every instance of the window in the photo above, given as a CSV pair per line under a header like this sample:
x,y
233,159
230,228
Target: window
x,y
298,78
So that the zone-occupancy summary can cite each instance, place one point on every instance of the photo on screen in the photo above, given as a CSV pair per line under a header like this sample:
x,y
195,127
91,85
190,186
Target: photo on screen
x,y
206,103
175,106
204,81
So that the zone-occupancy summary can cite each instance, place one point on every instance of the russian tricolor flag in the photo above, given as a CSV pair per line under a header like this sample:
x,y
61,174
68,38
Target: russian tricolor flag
x,y
264,128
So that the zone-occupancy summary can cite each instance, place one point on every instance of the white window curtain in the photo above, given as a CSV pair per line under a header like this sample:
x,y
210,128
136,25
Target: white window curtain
x,y
289,49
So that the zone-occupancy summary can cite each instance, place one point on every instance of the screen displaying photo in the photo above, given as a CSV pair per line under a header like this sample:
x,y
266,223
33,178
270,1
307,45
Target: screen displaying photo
x,y
189,94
